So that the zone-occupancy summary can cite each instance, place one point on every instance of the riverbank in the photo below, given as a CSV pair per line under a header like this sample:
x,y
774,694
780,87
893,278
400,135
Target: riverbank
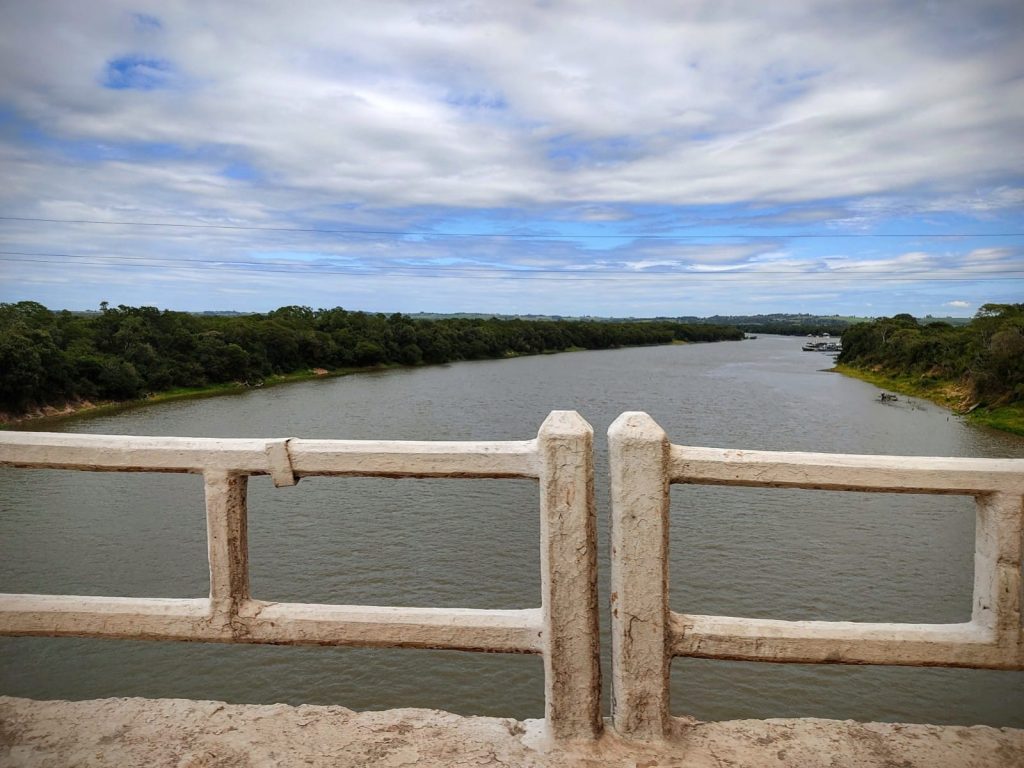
x,y
51,359
948,394
56,414
52,414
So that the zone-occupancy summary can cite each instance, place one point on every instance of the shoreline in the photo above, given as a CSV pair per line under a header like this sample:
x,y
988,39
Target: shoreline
x,y
86,408
947,394
52,414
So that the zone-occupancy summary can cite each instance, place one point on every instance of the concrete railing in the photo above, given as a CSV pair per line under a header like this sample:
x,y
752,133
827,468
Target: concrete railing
x,y
646,634
564,630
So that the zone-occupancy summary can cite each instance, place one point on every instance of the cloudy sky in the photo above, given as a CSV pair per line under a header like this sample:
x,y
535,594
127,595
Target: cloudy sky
x,y
655,158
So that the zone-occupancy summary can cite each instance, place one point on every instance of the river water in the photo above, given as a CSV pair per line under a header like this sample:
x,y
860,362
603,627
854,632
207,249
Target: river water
x,y
785,554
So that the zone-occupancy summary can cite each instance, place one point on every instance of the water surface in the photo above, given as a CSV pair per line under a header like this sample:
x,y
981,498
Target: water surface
x,y
787,554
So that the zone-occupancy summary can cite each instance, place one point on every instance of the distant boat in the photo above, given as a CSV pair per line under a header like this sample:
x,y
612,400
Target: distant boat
x,y
822,346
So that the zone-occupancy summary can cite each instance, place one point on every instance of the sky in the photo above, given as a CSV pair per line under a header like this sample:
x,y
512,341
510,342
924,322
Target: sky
x,y
573,158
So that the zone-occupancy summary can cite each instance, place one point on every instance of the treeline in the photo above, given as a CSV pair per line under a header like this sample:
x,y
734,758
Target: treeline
x,y
985,357
123,353
782,324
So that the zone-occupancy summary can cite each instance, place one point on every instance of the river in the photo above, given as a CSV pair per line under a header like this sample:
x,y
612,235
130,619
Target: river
x,y
787,554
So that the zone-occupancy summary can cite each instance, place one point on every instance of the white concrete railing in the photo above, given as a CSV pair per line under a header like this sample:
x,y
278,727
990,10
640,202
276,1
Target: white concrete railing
x,y
564,630
646,634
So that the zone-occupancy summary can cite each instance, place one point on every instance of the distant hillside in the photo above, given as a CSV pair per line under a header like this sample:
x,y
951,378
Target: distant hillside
x,y
784,323
787,324
779,319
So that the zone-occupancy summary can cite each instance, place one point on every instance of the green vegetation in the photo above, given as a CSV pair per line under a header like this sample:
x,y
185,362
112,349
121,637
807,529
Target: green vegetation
x,y
785,324
977,367
788,324
1009,418
53,358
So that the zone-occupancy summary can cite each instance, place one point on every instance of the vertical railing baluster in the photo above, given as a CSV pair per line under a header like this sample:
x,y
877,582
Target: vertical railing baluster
x,y
639,456
997,569
227,541
572,665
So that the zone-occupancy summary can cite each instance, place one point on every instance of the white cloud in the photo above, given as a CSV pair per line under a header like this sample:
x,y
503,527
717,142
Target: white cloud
x,y
377,115
770,104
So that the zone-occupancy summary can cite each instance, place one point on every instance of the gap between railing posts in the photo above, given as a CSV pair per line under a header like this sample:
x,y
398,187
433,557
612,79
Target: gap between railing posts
x,y
564,630
646,634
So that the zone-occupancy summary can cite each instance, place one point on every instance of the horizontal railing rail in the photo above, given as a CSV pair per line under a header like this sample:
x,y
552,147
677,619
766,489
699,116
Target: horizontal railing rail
x,y
563,629
284,459
646,634
844,472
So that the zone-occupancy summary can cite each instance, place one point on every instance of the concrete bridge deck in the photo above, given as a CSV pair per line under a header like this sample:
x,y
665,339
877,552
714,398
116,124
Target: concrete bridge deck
x,y
177,733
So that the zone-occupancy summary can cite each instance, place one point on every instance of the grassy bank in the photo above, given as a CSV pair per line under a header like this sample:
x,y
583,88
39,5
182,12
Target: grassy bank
x,y
1008,418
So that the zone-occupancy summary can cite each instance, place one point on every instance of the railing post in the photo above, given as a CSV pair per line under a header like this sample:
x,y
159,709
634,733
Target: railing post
x,y
227,541
997,569
639,456
568,562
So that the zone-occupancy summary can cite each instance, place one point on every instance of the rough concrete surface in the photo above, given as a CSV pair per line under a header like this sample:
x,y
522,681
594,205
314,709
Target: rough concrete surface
x,y
178,733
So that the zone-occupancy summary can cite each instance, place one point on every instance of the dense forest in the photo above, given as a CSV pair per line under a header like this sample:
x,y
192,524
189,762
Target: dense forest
x,y
123,353
783,324
982,361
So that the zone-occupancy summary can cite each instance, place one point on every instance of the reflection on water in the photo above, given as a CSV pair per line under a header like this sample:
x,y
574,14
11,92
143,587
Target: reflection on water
x,y
737,551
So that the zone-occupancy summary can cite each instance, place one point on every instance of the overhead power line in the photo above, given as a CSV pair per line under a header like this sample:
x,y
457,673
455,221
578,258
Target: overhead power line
x,y
513,235
320,265
492,274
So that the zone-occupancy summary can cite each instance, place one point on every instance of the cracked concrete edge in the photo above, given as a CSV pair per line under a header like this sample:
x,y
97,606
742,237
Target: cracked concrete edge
x,y
179,733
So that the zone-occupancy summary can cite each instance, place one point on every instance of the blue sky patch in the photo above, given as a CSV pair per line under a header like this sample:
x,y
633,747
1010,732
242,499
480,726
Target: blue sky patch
x,y
241,172
136,72
568,151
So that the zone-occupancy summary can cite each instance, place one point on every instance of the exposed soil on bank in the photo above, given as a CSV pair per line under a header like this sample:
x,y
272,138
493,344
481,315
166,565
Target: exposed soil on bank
x,y
56,414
